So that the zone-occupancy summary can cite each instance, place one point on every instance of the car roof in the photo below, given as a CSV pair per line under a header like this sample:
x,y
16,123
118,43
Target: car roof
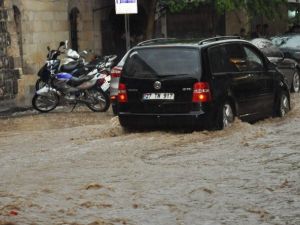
x,y
196,43
286,35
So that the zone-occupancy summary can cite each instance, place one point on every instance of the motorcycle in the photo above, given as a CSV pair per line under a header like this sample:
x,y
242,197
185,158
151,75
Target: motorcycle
x,y
54,65
74,63
63,87
104,67
51,66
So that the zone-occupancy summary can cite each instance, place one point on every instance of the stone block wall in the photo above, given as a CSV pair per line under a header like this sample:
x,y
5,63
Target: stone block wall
x,y
42,23
46,23
8,74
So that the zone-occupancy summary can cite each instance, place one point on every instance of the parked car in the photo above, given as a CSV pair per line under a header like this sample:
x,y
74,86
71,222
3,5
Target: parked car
x,y
289,67
289,44
201,85
114,84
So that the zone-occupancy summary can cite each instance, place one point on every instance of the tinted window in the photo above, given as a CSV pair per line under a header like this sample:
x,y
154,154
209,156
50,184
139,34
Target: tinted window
x,y
219,60
163,61
237,56
253,61
244,58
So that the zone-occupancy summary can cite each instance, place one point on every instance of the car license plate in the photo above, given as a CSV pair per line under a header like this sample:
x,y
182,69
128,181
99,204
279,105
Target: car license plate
x,y
158,96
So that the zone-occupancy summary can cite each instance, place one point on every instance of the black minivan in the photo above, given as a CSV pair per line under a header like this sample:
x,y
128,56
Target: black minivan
x,y
200,85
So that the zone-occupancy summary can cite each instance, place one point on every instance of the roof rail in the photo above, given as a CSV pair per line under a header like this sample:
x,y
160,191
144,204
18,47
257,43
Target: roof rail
x,y
156,40
218,38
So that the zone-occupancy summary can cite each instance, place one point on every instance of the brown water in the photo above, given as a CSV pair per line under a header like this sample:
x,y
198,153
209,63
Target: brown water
x,y
81,168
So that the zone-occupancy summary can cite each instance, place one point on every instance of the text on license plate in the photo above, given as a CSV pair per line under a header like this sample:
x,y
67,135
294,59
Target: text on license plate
x,y
158,96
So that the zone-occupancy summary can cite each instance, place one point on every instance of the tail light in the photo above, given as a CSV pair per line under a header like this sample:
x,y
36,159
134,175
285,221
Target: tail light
x,y
116,72
201,92
122,95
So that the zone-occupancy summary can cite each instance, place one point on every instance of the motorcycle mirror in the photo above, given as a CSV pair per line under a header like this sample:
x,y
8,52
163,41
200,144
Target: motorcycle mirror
x,y
48,48
113,57
61,44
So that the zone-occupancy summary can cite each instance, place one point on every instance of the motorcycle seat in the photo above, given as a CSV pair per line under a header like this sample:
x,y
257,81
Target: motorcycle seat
x,y
75,81
70,66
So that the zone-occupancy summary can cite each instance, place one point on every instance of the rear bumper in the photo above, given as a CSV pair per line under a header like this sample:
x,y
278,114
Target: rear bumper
x,y
192,120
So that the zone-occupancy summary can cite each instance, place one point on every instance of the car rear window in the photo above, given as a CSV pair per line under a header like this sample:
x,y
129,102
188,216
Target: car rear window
x,y
162,61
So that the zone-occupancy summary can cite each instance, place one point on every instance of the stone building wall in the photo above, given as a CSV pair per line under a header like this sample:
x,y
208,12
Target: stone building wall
x,y
235,20
8,74
46,23
41,23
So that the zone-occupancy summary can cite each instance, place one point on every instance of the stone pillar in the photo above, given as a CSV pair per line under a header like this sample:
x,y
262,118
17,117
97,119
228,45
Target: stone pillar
x,y
8,75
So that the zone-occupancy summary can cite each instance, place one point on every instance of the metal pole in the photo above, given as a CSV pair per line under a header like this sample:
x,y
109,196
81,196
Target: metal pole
x,y
127,31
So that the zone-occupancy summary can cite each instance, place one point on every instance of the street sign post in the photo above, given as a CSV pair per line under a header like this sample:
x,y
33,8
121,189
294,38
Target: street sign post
x,y
126,7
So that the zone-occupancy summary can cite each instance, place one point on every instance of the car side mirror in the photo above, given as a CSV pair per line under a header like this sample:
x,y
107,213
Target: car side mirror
x,y
286,55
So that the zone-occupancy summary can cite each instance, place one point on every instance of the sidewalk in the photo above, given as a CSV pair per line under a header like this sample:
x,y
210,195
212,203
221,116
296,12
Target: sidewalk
x,y
14,110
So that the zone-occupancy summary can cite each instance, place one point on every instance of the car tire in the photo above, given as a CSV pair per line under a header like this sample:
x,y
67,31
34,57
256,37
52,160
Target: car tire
x,y
126,124
226,116
283,104
296,82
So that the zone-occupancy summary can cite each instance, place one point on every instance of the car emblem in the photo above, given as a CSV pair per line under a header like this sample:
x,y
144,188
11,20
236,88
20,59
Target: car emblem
x,y
157,85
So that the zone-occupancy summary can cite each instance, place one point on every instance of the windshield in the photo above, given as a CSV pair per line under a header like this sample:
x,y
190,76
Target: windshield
x,y
287,41
162,61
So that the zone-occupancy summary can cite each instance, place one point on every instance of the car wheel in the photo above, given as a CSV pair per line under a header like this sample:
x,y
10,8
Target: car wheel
x,y
283,104
296,82
114,106
225,116
126,124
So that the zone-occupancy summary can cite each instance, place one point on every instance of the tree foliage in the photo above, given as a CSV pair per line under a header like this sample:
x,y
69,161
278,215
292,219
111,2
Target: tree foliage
x,y
269,8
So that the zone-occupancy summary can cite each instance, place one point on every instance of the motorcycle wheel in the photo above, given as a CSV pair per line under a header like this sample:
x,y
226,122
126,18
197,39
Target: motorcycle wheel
x,y
100,100
39,84
45,103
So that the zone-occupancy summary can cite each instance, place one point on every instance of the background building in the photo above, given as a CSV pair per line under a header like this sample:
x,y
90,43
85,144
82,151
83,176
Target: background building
x,y
27,27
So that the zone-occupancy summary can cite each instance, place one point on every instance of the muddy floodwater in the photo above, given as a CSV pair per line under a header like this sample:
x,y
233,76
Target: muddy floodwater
x,y
81,168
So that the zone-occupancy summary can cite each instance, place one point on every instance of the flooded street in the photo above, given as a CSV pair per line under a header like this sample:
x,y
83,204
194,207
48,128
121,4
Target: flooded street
x,y
81,168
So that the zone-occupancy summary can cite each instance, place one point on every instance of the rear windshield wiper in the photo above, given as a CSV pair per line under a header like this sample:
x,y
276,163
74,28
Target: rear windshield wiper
x,y
177,76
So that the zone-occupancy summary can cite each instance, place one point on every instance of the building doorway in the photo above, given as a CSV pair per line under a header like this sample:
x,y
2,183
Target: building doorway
x,y
73,17
113,31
